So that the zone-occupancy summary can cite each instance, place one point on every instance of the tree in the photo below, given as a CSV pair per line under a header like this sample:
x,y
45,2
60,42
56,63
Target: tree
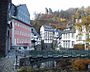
x,y
50,11
80,64
84,25
36,15
46,10
88,10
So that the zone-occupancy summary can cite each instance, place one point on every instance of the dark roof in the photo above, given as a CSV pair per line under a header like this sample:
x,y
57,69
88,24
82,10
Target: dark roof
x,y
69,31
48,28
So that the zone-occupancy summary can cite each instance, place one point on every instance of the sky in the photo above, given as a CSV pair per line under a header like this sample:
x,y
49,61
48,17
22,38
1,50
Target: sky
x,y
38,6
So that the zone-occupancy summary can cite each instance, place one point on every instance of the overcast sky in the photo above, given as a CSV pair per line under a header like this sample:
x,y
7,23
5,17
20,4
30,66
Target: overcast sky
x,y
40,5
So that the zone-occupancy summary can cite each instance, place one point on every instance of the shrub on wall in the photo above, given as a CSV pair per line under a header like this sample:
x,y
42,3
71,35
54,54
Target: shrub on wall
x,y
79,46
25,69
80,64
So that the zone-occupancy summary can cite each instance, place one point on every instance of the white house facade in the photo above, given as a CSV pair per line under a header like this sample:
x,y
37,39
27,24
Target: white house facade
x,y
50,37
47,33
68,38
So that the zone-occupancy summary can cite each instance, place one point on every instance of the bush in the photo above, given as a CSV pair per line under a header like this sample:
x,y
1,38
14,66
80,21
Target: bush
x,y
79,46
25,69
80,64
22,69
88,47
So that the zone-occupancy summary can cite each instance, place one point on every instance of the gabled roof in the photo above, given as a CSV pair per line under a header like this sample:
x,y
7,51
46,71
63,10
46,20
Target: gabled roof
x,y
23,6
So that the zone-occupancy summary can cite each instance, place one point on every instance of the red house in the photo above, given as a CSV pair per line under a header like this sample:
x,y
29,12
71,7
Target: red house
x,y
20,34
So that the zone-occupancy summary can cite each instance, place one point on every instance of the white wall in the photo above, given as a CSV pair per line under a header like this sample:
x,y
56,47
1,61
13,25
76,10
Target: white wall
x,y
68,39
47,35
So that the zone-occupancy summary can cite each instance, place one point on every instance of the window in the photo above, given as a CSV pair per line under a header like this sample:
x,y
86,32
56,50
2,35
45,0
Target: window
x,y
63,36
63,43
68,35
72,35
68,44
80,38
72,43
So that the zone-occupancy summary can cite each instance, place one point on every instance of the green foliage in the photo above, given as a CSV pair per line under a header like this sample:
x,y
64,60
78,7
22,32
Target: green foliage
x,y
50,20
78,26
88,40
30,69
25,69
22,69
88,10
85,22
77,14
